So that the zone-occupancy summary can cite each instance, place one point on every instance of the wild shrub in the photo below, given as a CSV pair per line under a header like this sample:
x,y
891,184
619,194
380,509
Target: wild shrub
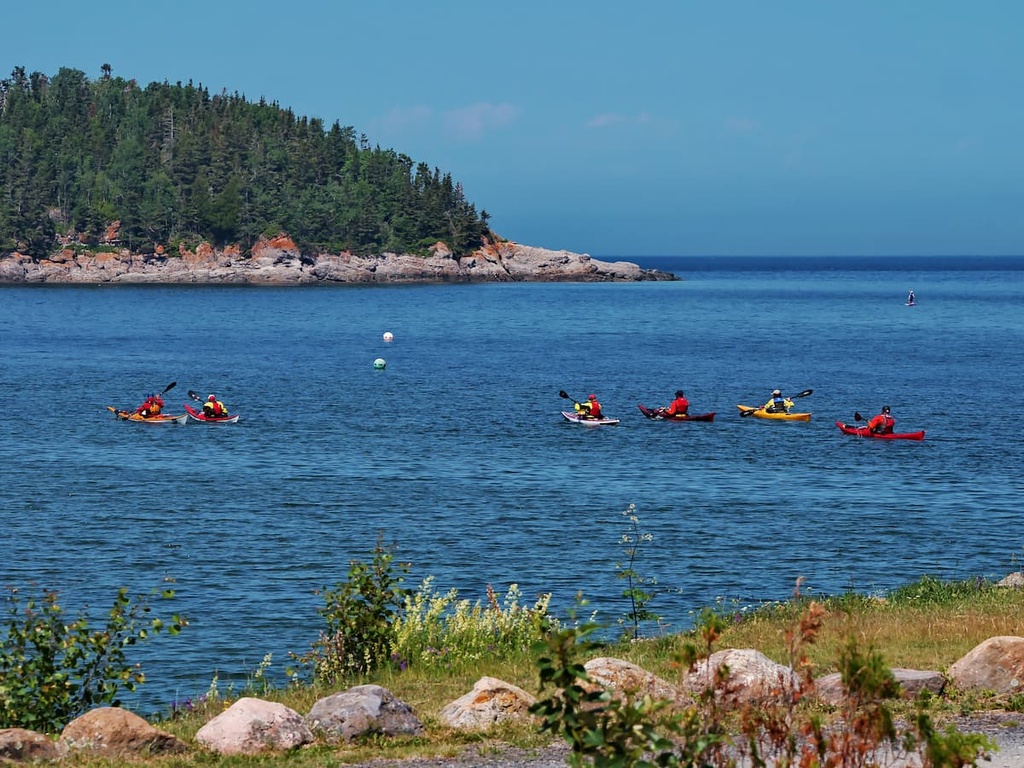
x,y
436,630
787,729
639,589
360,613
54,668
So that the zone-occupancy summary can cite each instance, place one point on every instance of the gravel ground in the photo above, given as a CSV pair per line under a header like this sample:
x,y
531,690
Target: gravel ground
x,y
1005,728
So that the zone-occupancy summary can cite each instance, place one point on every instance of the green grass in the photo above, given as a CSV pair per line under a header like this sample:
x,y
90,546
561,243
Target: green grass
x,y
925,625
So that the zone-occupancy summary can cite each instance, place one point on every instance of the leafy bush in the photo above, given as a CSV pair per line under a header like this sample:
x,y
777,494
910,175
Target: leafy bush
x,y
53,670
360,614
440,630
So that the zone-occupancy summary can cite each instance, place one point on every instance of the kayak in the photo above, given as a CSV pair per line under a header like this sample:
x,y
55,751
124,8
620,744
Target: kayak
x,y
656,415
849,429
163,418
575,418
200,416
761,413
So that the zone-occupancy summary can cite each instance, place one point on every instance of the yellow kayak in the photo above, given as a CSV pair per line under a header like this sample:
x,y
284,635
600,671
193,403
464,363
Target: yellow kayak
x,y
761,413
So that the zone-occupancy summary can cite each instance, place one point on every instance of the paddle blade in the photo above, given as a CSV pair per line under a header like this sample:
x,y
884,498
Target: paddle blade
x,y
857,416
746,413
805,393
195,396
170,386
563,393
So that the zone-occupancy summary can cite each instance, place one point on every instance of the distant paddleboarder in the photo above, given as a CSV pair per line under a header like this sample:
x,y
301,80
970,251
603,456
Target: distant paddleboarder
x,y
911,301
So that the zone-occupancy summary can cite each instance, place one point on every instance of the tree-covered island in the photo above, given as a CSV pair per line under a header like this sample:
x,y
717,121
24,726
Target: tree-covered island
x,y
106,180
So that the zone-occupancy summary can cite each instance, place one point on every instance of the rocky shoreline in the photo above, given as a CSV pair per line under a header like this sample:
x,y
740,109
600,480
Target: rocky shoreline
x,y
278,261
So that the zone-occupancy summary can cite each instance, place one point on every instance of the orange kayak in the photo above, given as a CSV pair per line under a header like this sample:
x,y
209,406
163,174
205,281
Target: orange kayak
x,y
163,418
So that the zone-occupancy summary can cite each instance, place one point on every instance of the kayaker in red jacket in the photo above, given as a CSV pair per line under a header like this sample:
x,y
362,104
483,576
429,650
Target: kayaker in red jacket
x,y
590,409
214,408
883,423
151,407
679,406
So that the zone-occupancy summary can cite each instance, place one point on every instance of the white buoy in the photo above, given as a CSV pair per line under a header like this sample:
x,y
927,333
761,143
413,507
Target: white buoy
x,y
380,363
389,336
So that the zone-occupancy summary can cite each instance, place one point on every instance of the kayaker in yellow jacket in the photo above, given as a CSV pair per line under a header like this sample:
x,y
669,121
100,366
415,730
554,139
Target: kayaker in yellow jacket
x,y
777,403
214,408
590,409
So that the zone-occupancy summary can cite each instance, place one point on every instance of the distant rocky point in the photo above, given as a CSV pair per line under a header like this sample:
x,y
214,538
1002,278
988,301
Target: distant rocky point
x,y
278,261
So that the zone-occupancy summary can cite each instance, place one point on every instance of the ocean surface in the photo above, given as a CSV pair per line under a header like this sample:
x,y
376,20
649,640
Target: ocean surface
x,y
457,452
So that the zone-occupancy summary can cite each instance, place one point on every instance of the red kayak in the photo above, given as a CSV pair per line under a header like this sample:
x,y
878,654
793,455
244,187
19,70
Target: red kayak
x,y
657,415
865,432
200,416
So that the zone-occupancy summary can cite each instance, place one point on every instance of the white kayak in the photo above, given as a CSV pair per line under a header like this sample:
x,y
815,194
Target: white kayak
x,y
575,418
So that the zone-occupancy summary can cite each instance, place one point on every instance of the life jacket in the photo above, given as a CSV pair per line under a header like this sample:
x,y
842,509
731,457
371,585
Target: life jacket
x,y
888,422
215,408
592,409
679,407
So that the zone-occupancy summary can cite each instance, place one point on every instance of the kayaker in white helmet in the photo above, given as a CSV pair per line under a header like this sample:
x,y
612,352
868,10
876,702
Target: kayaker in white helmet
x,y
777,403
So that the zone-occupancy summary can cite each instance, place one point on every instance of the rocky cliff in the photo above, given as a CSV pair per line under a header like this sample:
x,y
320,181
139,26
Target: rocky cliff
x,y
279,262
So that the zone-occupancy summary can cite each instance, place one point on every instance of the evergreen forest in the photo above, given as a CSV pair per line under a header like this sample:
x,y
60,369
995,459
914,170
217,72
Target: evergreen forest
x,y
172,164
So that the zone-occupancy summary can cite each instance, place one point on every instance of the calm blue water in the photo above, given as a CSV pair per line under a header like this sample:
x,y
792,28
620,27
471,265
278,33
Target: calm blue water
x,y
457,451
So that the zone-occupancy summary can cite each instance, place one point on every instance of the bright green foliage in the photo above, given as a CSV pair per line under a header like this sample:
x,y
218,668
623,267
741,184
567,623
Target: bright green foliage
x,y
53,669
623,730
360,614
440,630
174,163
638,588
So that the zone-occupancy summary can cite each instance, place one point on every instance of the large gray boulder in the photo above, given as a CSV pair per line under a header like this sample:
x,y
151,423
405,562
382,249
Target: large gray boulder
x,y
361,711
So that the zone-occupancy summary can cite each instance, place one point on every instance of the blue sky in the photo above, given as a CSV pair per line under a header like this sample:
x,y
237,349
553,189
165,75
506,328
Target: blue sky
x,y
658,128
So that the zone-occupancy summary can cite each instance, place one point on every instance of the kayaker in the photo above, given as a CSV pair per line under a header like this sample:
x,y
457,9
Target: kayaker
x,y
678,407
151,407
777,403
883,423
590,409
214,408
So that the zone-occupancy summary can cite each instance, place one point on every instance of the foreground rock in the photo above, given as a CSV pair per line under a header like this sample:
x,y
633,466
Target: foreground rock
x,y
252,726
279,262
362,711
995,665
490,702
116,732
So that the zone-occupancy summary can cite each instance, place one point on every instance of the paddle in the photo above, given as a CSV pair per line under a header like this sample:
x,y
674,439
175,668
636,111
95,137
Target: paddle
x,y
195,396
805,393
563,393
858,417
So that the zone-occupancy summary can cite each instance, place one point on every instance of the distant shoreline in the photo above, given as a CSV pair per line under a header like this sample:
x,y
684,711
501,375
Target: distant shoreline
x,y
278,261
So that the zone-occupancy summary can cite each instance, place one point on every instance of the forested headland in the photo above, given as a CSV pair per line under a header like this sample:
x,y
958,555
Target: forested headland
x,y
106,163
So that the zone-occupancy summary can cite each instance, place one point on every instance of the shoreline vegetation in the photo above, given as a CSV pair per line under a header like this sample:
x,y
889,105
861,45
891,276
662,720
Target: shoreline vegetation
x,y
853,687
